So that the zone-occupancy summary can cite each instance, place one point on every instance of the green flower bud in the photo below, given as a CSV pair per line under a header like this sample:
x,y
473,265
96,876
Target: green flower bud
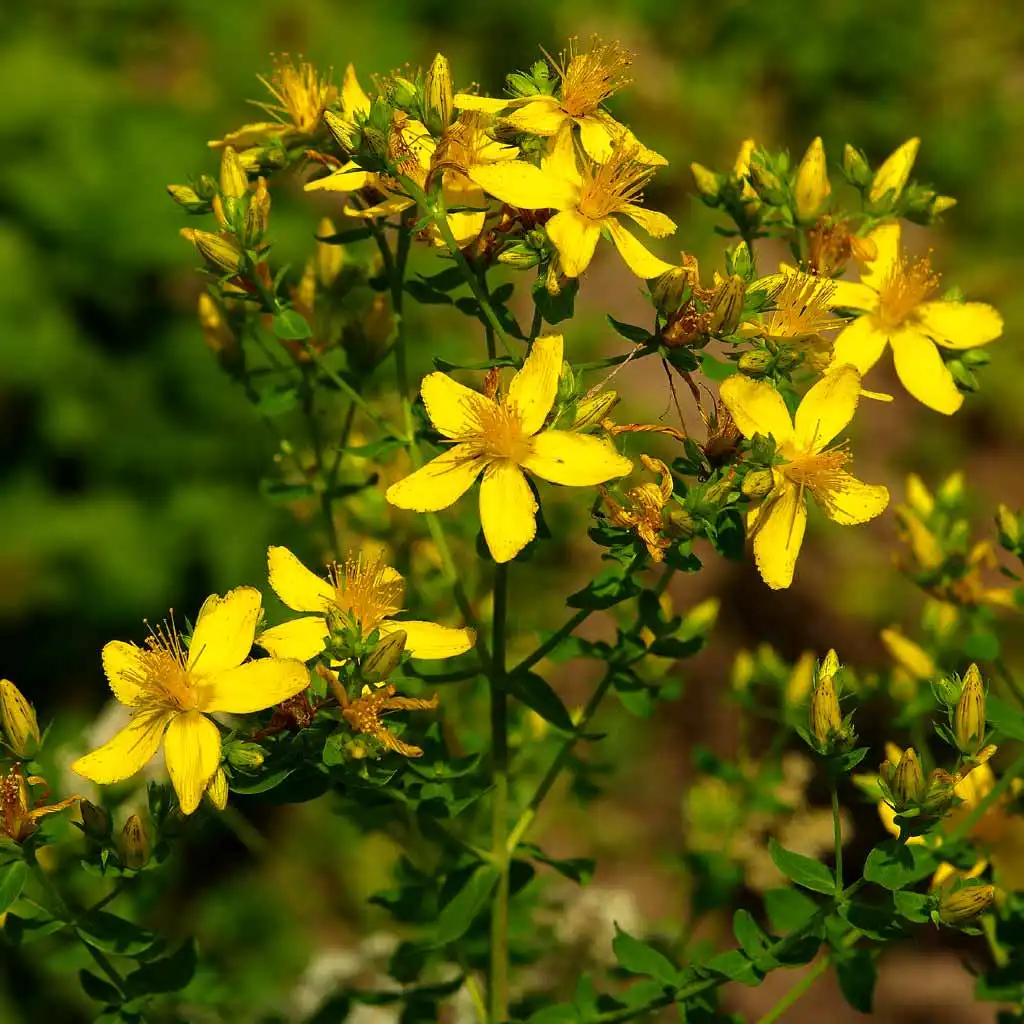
x,y
964,905
939,793
669,290
757,484
855,167
766,184
678,522
385,657
245,755
257,216
519,256
969,717
521,85
755,363
96,821
592,411
739,261
133,843
189,199
18,719
220,254
404,92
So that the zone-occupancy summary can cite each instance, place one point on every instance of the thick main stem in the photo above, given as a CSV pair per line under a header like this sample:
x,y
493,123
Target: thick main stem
x,y
499,800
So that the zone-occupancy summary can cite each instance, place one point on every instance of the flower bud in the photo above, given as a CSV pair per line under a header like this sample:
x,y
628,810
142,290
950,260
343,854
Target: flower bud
x,y
894,172
940,204
755,363
679,523
385,657
919,498
234,182
700,619
18,719
96,821
742,674
257,216
757,484
812,186
969,717
668,290
940,792
907,780
738,260
217,789
951,490
133,843
717,493
346,133
1009,528
519,256
726,306
908,655
591,411
709,184
829,664
766,183
438,90
825,717
403,91
188,199
245,755
801,680
963,905
219,337
220,253
855,166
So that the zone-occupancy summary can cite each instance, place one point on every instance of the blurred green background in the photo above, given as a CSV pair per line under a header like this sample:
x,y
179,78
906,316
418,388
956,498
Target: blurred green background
x,y
130,464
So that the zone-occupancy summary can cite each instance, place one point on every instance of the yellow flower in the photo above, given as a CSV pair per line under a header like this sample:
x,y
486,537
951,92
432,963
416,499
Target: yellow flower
x,y
464,146
587,80
501,437
364,714
644,509
18,818
364,590
171,690
588,201
894,294
777,525
301,97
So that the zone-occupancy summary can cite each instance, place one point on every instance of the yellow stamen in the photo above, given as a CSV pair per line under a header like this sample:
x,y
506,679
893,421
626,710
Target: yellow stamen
x,y
820,472
802,308
612,186
165,677
302,96
588,79
908,284
366,590
498,431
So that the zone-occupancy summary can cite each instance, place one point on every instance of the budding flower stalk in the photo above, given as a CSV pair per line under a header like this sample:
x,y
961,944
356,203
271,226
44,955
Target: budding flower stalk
x,y
825,715
438,89
18,719
812,186
969,716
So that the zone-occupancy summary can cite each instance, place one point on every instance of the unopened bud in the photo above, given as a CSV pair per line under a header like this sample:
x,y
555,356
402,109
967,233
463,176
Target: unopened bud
x,y
907,780
403,91
220,253
522,257
738,260
951,490
757,484
700,619
742,674
189,199
825,717
385,657
245,755
18,719
345,132
257,216
234,182
940,792
812,186
964,905
668,290
438,90
755,363
718,493
969,717
709,184
134,843
766,183
940,204
96,821
678,522
592,411
855,167
726,306
1009,528
217,789
919,498
908,655
894,172
219,337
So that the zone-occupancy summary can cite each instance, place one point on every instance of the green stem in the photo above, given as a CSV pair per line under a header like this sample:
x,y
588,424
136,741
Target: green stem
x,y
837,832
566,629
326,504
499,800
797,991
1007,675
995,793
346,389
538,322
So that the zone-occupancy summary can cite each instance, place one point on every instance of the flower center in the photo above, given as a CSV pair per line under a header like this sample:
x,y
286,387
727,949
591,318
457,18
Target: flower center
x,y
908,284
820,472
301,95
588,79
499,431
612,186
366,589
165,677
802,307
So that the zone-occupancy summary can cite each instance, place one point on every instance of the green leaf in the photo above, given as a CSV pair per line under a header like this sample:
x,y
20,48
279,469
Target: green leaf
x,y
277,400
427,296
23,930
716,369
562,1014
579,869
275,490
291,325
639,958
264,784
168,974
637,335
12,881
895,865
555,308
536,693
1007,719
803,870
914,906
982,645
112,934
857,975
735,965
344,237
458,914
98,989
608,589
748,934
788,910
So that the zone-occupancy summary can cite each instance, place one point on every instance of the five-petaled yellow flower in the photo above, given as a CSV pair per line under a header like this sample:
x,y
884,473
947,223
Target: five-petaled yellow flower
x,y
589,199
895,294
777,524
501,437
365,591
171,689
587,80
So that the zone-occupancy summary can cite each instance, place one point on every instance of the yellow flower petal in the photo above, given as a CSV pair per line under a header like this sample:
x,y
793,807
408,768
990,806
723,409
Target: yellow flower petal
x,y
851,501
302,639
778,526
454,409
923,373
575,237
639,260
559,162
465,226
895,171
533,388
192,750
959,324
757,408
127,752
249,135
298,587
124,666
508,510
886,239
429,640
657,225
522,185
888,816
853,295
253,686
488,104
440,483
596,136
348,178
353,99
386,208
908,655
860,343
827,408
575,460
225,630
542,116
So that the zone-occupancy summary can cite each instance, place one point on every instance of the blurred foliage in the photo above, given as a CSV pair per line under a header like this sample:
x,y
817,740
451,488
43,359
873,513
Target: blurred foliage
x,y
130,464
